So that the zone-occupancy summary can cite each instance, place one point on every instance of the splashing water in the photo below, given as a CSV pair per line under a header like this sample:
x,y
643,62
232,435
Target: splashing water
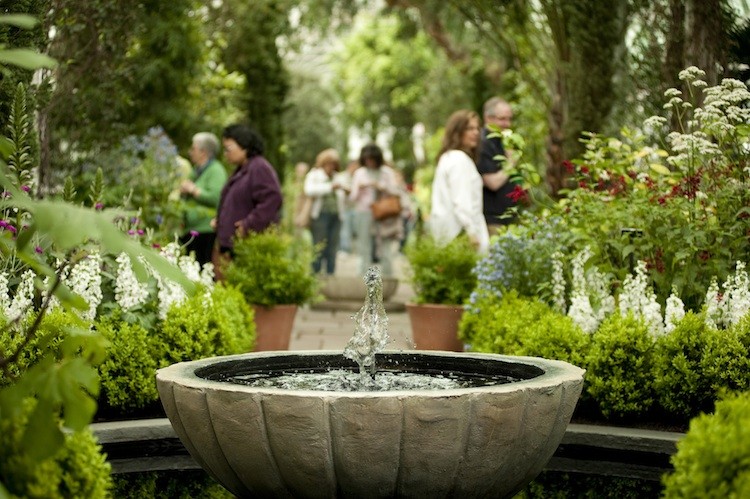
x,y
370,328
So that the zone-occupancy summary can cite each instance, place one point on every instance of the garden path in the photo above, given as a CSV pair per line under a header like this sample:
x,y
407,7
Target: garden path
x,y
332,329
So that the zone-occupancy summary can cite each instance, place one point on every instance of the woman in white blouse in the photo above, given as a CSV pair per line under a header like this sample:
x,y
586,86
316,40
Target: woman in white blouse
x,y
457,187
325,215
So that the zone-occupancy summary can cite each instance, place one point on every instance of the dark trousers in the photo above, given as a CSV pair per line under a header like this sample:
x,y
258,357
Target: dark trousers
x,y
202,245
325,232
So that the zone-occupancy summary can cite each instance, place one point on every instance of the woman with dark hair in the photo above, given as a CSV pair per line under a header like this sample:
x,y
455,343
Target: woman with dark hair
x,y
457,186
370,181
251,199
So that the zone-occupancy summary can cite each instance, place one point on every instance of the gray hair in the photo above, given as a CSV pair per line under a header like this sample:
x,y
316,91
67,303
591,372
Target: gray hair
x,y
206,141
491,105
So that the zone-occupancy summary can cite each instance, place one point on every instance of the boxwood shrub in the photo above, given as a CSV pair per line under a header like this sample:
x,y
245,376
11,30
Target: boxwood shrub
x,y
189,484
620,367
680,382
204,325
713,460
79,469
515,325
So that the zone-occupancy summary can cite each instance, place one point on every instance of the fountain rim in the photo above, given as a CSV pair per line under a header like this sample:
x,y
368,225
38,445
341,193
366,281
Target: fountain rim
x,y
555,373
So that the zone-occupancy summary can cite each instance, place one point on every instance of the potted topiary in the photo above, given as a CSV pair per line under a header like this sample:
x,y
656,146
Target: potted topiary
x,y
273,270
442,277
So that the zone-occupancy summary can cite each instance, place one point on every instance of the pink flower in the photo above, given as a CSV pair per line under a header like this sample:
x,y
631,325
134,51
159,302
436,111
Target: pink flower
x,y
193,233
25,188
99,206
38,250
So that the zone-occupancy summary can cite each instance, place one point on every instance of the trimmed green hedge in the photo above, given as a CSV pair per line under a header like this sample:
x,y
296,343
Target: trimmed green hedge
x,y
631,376
713,460
205,325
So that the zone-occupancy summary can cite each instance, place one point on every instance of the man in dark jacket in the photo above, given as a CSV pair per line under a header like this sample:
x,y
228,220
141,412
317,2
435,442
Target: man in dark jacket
x,y
497,185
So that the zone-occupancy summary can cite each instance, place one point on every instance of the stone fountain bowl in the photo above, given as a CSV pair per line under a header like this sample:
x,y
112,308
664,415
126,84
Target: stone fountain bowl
x,y
487,441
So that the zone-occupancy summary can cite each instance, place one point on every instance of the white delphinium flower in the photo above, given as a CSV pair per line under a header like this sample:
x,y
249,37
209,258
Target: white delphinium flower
x,y
129,292
4,297
715,305
602,301
86,281
736,295
581,310
169,293
558,283
674,312
638,298
190,267
171,252
207,275
23,299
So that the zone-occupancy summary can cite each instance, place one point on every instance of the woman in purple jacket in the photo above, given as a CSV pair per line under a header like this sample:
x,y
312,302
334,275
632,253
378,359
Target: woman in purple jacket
x,y
251,198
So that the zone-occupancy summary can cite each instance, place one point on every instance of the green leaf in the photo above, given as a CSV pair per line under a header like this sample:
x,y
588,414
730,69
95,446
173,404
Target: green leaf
x,y
19,20
78,405
660,169
42,437
26,58
25,236
6,146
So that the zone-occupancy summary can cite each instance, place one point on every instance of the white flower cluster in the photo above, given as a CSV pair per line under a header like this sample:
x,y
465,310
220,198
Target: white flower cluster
x,y
85,280
674,312
129,291
23,299
727,308
638,298
558,283
590,300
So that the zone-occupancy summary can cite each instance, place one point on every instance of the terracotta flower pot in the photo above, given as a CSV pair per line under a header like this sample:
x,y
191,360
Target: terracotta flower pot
x,y
273,326
435,327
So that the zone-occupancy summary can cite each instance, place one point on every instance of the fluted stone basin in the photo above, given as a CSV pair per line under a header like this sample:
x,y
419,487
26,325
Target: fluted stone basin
x,y
486,441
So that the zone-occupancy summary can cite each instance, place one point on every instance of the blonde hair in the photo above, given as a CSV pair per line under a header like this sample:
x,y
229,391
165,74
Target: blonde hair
x,y
326,156
454,130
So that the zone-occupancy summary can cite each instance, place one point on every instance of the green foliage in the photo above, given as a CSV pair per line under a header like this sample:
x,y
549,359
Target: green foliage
x,y
442,273
680,380
520,258
76,469
205,325
726,363
272,268
713,460
169,485
515,325
21,160
619,367
682,209
127,374
556,485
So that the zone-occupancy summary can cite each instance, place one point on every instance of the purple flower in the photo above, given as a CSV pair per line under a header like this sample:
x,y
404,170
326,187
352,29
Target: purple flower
x,y
131,232
10,228
141,232
99,206
134,220
3,224
25,188
193,233
38,250
6,194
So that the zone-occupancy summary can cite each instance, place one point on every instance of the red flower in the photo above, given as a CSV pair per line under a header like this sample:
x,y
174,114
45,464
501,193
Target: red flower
x,y
585,170
518,194
569,167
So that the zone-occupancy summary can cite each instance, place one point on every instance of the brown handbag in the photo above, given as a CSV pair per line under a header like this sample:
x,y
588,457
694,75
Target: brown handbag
x,y
386,207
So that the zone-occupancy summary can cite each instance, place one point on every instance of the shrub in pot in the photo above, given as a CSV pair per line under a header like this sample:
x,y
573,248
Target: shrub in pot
x,y
443,279
273,270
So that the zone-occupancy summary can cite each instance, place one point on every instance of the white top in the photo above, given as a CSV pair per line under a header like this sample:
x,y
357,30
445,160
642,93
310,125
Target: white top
x,y
457,200
364,193
317,185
